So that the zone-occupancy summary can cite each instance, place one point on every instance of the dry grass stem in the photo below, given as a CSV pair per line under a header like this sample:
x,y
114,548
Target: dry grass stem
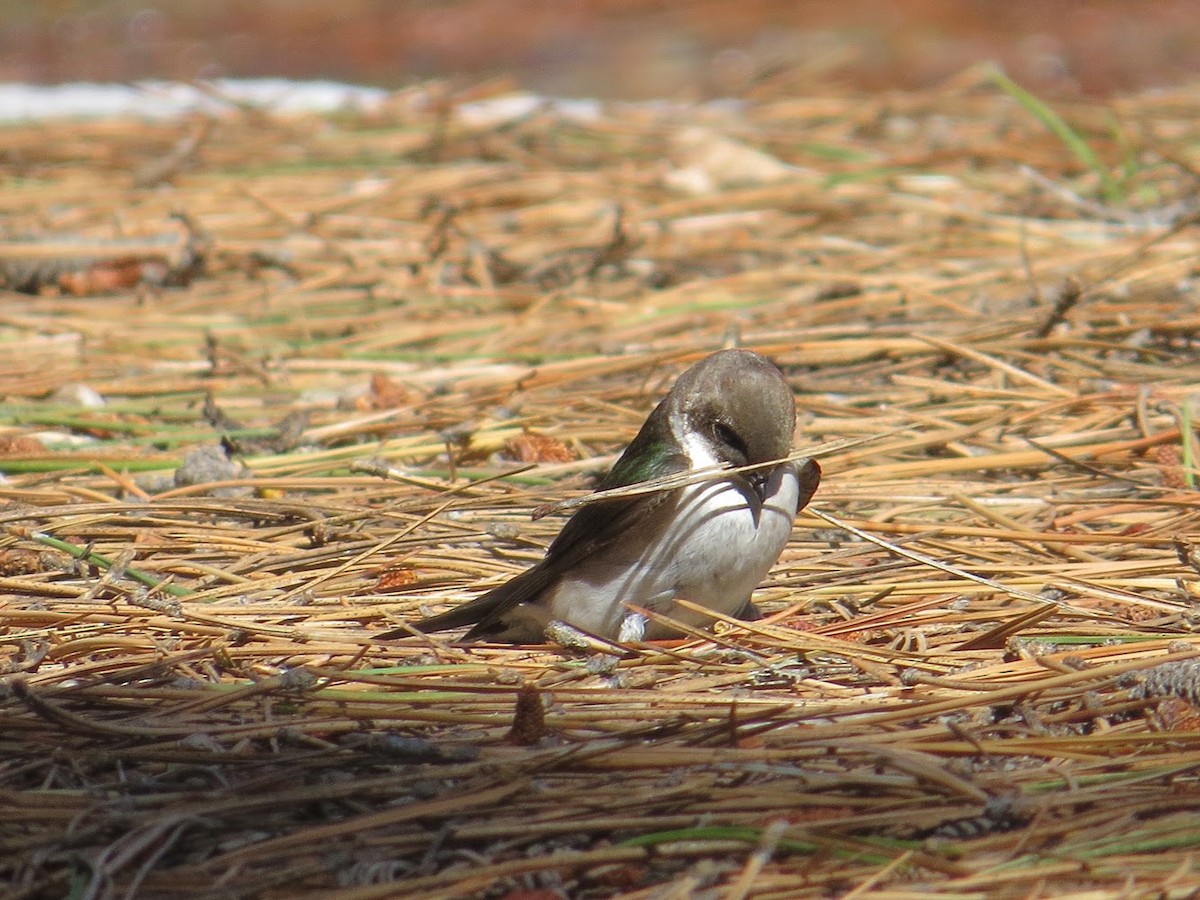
x,y
977,675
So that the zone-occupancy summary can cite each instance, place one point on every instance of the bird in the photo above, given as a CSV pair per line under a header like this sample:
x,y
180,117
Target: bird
x,y
710,542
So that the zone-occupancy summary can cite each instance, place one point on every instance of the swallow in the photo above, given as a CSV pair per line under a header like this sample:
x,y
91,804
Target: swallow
x,y
711,542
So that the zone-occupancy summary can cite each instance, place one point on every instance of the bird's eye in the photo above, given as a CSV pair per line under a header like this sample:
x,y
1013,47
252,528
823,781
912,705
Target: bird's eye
x,y
730,438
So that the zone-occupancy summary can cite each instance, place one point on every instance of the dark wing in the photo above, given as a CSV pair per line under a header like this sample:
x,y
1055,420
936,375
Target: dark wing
x,y
587,532
595,526
484,611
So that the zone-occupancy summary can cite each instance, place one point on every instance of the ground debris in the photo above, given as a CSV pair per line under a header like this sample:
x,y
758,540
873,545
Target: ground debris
x,y
976,676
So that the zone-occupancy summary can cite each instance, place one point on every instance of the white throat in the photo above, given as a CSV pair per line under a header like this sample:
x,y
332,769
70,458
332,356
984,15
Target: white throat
x,y
696,446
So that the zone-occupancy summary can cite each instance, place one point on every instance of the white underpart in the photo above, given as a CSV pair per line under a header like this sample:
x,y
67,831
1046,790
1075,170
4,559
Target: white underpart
x,y
633,628
706,545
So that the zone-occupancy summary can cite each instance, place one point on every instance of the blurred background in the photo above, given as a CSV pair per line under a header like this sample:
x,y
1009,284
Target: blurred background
x,y
610,48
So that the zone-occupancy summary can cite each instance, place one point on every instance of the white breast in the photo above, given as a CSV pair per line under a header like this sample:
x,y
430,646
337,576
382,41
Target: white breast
x,y
710,545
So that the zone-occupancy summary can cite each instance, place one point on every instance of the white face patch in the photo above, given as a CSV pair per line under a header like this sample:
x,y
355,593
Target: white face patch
x,y
696,446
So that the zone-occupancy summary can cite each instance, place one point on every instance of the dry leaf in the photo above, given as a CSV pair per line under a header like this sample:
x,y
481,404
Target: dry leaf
x,y
20,445
1170,460
1178,715
384,393
538,448
393,578
529,718
14,561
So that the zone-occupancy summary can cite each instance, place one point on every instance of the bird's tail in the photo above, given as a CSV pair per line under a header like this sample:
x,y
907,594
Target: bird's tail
x,y
484,612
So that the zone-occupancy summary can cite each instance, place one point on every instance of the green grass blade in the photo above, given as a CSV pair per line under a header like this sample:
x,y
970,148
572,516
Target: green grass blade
x,y
1058,126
